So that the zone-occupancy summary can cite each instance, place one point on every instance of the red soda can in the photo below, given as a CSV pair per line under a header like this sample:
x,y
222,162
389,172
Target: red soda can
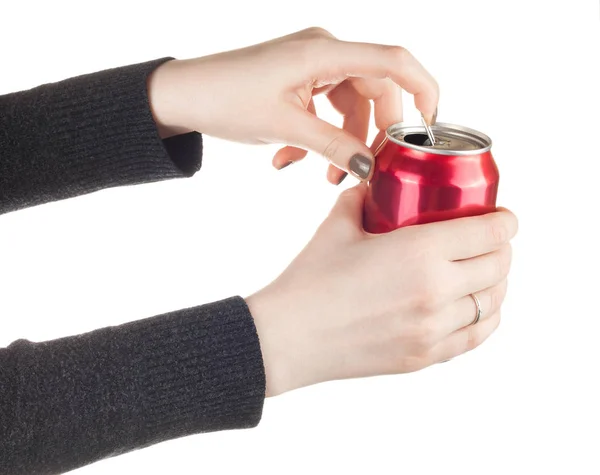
x,y
415,182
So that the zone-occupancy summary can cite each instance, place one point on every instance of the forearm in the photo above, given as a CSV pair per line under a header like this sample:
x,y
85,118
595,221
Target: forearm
x,y
84,134
69,402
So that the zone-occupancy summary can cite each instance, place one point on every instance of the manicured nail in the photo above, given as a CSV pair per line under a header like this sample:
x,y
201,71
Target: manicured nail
x,y
285,165
433,118
342,178
430,121
360,166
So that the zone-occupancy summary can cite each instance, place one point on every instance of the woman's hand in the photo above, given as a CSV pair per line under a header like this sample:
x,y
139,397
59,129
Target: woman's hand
x,y
263,94
354,304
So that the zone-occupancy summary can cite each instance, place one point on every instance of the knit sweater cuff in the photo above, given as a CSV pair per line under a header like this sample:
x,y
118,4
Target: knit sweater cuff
x,y
84,134
69,402
200,370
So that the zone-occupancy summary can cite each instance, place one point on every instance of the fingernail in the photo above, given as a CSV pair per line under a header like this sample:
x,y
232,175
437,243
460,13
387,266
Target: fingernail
x,y
360,166
432,120
285,165
342,178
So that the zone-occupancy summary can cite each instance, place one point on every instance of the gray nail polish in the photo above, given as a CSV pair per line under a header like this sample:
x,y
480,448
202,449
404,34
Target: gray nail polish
x,y
360,166
434,117
286,165
342,178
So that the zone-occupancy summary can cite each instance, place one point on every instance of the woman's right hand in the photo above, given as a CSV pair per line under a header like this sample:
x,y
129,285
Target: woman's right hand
x,y
264,94
354,304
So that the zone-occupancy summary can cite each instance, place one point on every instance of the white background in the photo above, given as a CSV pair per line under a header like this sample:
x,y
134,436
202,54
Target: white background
x,y
524,72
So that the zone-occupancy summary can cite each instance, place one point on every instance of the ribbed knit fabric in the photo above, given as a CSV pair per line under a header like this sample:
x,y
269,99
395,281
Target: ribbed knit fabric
x,y
69,402
84,134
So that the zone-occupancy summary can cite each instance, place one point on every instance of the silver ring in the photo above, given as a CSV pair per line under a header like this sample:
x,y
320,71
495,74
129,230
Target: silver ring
x,y
478,304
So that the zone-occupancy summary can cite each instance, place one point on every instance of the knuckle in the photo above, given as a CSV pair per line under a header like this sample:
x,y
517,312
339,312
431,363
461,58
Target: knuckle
x,y
515,224
316,31
417,338
427,333
496,322
307,43
500,263
512,223
508,250
429,297
477,334
496,232
399,54
431,287
333,147
473,339
497,296
504,260
498,266
510,220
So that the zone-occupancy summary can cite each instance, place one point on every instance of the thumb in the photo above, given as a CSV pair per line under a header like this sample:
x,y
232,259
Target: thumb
x,y
338,146
349,206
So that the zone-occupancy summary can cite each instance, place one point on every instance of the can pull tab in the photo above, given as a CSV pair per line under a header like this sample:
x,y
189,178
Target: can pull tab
x,y
428,130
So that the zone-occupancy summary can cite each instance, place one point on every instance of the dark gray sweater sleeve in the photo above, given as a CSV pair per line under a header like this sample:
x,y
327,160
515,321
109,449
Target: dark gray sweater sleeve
x,y
84,134
69,402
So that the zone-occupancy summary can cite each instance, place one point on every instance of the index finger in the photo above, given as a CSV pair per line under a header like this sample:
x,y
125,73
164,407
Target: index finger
x,y
463,238
383,61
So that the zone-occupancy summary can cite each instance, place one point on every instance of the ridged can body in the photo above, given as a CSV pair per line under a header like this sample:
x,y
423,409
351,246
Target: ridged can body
x,y
416,184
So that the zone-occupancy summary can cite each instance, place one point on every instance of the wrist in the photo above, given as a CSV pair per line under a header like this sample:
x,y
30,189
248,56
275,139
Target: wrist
x,y
267,312
164,96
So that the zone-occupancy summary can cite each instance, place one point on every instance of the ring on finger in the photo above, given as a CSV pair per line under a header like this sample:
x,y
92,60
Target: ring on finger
x,y
478,305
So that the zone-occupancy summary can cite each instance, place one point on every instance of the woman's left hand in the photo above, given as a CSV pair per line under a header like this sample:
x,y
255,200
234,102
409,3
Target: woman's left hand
x,y
264,94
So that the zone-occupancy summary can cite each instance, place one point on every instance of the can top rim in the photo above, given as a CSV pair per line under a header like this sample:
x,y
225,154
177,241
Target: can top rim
x,y
482,142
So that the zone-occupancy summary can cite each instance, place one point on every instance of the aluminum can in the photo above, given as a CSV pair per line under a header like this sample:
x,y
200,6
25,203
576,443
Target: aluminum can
x,y
416,183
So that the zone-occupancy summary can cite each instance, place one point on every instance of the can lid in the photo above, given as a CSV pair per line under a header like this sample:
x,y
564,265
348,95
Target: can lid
x,y
450,139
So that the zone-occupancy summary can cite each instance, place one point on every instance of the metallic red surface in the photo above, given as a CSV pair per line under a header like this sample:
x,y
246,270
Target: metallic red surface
x,y
415,187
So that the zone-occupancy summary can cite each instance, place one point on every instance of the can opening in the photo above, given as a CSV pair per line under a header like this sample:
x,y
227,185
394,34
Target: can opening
x,y
418,139
450,139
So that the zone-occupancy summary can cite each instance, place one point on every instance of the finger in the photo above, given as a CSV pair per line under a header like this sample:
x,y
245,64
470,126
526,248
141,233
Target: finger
x,y
463,311
478,273
356,111
465,339
386,96
463,238
338,146
355,108
349,206
325,89
335,175
287,155
379,138
341,58
387,99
